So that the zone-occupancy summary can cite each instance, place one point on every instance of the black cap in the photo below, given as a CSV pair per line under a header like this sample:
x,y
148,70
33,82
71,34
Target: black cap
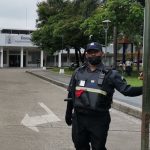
x,y
94,46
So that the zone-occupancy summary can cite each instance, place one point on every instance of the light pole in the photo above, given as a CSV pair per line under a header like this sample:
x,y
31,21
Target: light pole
x,y
146,81
106,27
62,46
62,41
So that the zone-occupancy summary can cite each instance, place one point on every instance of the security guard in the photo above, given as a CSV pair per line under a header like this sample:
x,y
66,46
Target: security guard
x,y
91,91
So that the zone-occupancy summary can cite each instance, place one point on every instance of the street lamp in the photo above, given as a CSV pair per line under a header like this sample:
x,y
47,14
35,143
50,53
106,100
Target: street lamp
x,y
62,42
62,46
106,27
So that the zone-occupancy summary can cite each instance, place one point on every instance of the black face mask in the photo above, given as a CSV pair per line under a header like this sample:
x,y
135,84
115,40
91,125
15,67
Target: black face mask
x,y
94,60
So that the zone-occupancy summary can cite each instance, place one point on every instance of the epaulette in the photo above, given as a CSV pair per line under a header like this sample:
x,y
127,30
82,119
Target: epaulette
x,y
81,67
108,69
78,69
105,70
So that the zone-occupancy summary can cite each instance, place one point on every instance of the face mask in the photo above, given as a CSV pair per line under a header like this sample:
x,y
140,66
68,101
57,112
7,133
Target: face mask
x,y
94,60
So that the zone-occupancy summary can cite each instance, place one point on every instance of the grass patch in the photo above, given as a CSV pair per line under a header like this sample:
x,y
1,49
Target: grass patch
x,y
66,70
133,79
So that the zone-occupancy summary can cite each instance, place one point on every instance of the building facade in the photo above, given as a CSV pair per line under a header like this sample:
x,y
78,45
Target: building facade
x,y
17,49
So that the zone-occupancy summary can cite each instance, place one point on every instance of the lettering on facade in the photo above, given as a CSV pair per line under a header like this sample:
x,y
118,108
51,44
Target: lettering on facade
x,y
25,38
17,40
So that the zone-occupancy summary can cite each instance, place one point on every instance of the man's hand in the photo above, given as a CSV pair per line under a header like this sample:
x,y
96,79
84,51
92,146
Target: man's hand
x,y
68,119
68,116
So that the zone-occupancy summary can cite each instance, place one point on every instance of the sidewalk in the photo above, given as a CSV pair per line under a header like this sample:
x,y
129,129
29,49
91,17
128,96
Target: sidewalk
x,y
63,81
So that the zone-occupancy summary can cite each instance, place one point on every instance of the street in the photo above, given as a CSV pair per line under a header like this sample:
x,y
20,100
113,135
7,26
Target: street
x,y
32,117
22,94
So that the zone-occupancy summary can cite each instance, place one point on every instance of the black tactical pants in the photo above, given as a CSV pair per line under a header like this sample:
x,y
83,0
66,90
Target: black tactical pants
x,y
90,131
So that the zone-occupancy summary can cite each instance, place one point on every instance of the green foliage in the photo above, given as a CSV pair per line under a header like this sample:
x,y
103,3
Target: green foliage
x,y
133,79
67,71
124,14
67,23
59,24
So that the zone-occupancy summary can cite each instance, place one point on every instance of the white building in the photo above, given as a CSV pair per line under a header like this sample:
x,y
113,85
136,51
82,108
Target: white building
x,y
62,59
17,50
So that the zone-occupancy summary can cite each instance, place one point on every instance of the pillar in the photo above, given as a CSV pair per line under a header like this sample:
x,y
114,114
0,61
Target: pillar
x,y
1,65
55,60
21,59
41,63
8,58
26,58
59,59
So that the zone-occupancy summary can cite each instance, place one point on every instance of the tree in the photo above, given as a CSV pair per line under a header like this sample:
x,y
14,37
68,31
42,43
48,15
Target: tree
x,y
124,14
55,21
76,20
43,36
46,9
142,2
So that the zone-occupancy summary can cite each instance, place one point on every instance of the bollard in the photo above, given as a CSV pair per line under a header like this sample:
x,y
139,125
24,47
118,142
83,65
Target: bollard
x,y
61,71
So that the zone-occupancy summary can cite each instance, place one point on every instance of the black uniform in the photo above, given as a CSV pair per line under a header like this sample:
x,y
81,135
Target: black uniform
x,y
92,93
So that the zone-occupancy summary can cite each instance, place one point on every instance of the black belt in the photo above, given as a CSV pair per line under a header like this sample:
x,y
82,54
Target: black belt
x,y
90,112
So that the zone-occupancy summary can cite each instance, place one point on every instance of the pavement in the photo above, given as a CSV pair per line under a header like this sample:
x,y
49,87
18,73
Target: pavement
x,y
118,103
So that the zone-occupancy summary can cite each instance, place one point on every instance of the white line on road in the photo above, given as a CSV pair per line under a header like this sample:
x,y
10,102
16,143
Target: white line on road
x,y
32,122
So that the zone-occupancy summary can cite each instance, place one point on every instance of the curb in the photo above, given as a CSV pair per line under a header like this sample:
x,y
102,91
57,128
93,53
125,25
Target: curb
x,y
49,80
128,109
120,106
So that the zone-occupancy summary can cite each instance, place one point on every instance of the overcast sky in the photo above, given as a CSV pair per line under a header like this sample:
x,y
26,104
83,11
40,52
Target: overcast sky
x,y
19,14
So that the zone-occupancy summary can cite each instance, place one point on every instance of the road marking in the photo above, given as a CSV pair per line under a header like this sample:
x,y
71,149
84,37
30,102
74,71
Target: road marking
x,y
32,122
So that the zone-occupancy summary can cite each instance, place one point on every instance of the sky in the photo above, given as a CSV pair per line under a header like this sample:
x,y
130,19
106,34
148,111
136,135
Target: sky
x,y
18,14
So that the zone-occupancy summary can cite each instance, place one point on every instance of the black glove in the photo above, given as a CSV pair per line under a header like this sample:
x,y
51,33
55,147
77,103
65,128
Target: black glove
x,y
68,116
68,119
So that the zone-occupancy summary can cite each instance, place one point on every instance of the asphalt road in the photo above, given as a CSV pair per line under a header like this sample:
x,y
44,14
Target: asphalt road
x,y
32,117
22,94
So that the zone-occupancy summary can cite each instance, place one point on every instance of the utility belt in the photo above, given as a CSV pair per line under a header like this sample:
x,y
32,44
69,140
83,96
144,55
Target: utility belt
x,y
89,112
